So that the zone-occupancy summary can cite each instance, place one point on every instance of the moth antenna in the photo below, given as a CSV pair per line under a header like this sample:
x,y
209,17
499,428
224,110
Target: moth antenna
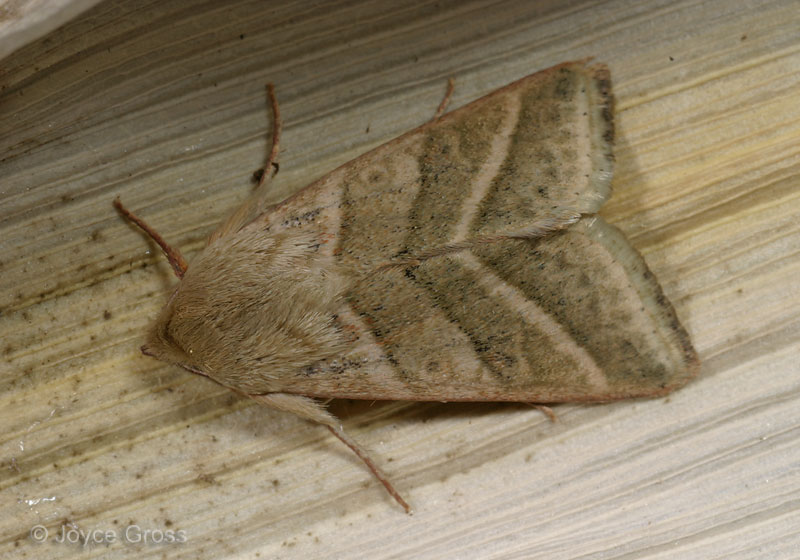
x,y
176,260
379,474
451,85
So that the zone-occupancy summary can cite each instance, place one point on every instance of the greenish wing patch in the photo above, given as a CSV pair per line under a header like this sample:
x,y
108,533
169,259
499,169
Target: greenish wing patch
x,y
593,283
447,335
548,168
515,350
451,157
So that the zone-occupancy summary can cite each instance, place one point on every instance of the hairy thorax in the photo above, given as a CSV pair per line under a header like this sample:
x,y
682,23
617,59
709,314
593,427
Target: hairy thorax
x,y
252,310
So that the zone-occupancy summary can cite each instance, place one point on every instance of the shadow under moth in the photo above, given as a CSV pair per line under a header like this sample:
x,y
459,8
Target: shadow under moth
x,y
462,261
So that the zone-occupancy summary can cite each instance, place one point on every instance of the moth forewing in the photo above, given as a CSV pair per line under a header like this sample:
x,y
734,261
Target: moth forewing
x,y
572,316
452,263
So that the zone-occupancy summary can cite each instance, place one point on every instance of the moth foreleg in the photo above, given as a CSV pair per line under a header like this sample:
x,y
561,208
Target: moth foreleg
x,y
546,410
446,101
311,409
272,158
256,203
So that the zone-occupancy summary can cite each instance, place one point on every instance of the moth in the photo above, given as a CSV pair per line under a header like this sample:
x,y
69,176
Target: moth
x,y
462,261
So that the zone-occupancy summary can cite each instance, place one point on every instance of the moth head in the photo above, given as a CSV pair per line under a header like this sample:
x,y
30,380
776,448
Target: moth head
x,y
251,311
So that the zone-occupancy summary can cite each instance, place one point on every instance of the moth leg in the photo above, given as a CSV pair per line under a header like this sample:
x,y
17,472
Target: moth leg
x,y
272,162
446,101
546,410
176,260
311,409
256,203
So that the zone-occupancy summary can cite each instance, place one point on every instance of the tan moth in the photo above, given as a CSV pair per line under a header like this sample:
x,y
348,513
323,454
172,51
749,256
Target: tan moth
x,y
462,261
